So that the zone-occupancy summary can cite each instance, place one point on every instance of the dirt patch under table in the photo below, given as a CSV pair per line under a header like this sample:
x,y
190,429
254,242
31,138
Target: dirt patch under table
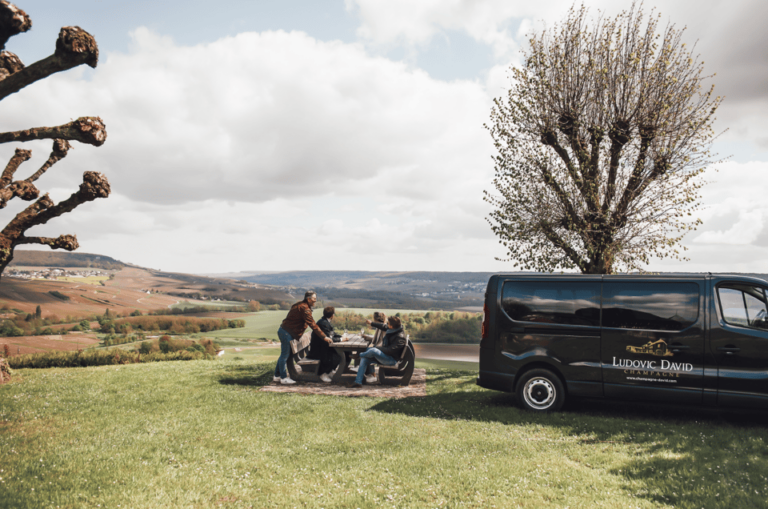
x,y
417,387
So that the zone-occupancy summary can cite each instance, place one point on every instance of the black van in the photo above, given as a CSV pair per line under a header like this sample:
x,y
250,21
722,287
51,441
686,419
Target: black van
x,y
690,339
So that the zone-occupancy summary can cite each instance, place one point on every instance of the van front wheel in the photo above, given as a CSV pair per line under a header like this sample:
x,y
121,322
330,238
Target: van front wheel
x,y
541,390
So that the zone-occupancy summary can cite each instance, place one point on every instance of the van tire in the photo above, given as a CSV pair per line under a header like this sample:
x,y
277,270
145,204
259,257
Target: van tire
x,y
540,390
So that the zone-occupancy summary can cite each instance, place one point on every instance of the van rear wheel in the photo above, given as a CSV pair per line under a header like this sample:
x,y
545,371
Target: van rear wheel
x,y
540,390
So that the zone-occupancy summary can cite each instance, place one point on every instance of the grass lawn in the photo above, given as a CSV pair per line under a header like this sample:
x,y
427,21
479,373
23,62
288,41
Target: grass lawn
x,y
208,304
261,325
199,434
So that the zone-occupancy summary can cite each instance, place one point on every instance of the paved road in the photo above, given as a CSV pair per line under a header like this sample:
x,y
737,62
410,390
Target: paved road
x,y
467,353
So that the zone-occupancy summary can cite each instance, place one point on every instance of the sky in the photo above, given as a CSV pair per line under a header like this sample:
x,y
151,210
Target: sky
x,y
266,135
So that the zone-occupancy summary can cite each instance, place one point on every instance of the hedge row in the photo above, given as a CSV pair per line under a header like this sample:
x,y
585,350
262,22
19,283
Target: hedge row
x,y
57,359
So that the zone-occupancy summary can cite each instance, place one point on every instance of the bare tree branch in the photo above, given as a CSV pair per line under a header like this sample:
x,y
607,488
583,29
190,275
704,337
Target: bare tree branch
x,y
19,157
59,152
13,21
22,189
90,130
95,185
10,63
66,242
74,47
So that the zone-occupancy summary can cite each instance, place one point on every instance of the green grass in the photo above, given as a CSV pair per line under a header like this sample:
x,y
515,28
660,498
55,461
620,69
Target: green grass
x,y
264,324
200,434
209,304
261,325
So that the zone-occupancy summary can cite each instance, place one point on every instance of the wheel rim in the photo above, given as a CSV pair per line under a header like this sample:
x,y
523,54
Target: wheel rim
x,y
539,393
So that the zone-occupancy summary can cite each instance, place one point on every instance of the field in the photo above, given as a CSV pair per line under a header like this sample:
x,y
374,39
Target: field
x,y
131,288
34,344
261,325
200,434
264,324
90,280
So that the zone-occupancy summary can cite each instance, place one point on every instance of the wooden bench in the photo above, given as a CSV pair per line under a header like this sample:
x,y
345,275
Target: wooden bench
x,y
299,367
400,373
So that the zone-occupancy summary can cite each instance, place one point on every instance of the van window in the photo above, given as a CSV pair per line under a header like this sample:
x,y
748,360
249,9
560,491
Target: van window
x,y
743,305
559,302
651,306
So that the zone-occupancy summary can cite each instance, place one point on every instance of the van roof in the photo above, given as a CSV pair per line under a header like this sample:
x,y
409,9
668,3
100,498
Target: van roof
x,y
656,277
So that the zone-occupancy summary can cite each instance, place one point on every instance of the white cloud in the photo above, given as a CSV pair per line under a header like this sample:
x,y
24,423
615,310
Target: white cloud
x,y
272,151
416,24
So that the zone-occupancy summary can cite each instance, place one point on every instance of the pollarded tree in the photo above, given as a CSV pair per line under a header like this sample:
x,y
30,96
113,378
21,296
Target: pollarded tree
x,y
74,47
601,140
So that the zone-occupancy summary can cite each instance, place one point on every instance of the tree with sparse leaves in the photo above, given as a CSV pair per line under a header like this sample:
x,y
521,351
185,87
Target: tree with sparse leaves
x,y
601,142
74,47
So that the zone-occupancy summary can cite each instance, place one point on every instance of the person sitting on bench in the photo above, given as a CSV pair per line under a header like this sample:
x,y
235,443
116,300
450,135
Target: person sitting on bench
x,y
391,348
320,349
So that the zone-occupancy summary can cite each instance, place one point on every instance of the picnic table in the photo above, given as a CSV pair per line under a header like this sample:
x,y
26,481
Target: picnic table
x,y
303,369
399,374
348,348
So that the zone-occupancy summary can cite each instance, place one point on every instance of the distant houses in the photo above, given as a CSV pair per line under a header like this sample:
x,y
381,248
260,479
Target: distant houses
x,y
53,273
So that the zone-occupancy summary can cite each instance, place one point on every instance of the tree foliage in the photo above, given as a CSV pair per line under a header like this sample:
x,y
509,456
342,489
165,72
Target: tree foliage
x,y
601,142
74,47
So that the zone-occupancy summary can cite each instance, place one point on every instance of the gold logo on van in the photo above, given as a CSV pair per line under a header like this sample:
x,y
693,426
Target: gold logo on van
x,y
657,348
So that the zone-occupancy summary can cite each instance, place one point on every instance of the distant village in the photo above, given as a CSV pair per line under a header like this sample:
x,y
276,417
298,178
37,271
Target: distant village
x,y
54,273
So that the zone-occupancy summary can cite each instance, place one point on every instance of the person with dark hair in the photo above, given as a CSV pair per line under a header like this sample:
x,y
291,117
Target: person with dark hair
x,y
391,348
298,319
377,337
319,348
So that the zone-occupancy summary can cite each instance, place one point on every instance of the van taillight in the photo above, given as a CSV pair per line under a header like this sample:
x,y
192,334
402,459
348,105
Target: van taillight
x,y
484,328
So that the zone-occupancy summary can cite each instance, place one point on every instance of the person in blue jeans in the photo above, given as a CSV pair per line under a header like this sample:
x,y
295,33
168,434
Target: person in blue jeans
x,y
391,348
294,325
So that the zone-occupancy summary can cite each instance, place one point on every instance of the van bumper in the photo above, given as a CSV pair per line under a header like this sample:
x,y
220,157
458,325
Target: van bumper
x,y
496,381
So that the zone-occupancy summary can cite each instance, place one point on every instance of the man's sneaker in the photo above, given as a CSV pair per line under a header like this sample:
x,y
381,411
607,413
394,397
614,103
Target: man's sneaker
x,y
325,378
353,369
370,379
276,378
287,381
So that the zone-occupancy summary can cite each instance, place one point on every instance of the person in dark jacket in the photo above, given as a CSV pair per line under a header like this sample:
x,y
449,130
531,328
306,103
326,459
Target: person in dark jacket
x,y
320,348
294,325
391,348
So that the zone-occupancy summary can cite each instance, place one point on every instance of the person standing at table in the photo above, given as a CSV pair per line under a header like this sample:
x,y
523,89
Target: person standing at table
x,y
391,348
294,325
320,348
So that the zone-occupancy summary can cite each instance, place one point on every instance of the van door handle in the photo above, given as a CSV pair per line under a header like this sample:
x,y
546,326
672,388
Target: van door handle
x,y
678,348
728,350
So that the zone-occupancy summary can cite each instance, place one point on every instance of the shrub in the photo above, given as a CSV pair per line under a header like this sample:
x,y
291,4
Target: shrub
x,y
59,295
5,371
57,359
